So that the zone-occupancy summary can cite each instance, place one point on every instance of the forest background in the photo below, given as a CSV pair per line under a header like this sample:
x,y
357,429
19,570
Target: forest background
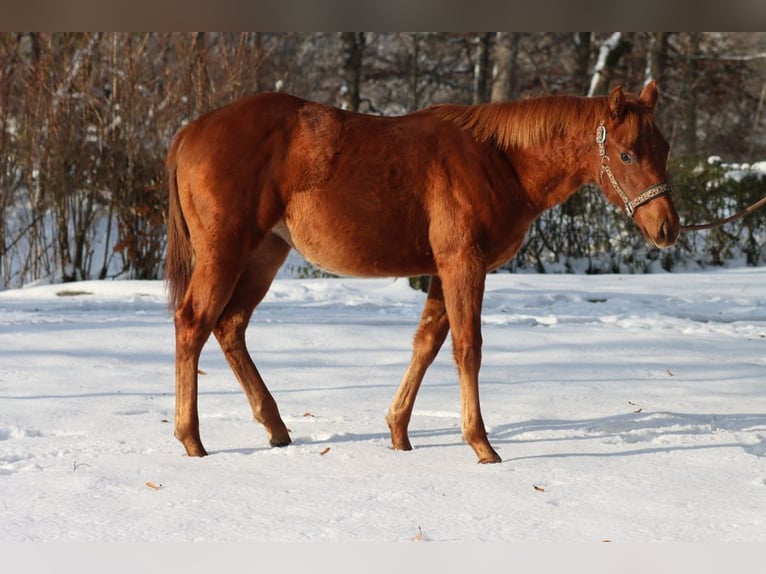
x,y
86,120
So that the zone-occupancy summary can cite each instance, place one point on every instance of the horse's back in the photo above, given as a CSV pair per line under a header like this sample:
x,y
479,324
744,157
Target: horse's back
x,y
354,193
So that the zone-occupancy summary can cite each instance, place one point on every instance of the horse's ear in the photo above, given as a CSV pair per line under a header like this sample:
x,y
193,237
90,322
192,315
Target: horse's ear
x,y
617,103
649,94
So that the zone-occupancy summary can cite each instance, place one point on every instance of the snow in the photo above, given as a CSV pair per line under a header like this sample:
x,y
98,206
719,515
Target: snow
x,y
628,408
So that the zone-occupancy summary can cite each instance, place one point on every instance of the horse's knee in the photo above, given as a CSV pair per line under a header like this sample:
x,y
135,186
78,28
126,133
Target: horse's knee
x,y
467,355
426,347
430,337
191,331
230,334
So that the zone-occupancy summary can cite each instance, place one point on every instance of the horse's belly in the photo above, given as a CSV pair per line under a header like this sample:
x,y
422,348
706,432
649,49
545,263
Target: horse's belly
x,y
357,251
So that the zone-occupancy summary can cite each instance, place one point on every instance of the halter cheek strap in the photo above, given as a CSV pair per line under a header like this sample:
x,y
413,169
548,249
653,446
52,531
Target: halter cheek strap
x,y
651,192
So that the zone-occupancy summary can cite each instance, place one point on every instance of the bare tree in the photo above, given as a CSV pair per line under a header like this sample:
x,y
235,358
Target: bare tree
x,y
353,51
481,68
199,71
582,45
505,79
656,57
609,56
689,94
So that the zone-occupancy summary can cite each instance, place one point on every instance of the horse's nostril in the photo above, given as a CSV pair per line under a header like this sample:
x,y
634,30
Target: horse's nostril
x,y
663,231
667,233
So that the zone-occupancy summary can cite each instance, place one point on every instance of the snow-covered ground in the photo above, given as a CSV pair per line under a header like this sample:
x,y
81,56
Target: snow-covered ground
x,y
626,408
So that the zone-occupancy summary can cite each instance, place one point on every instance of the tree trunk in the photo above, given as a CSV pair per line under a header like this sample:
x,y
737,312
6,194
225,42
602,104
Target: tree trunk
x,y
414,72
259,59
609,56
481,69
505,78
353,50
582,42
656,57
201,81
688,96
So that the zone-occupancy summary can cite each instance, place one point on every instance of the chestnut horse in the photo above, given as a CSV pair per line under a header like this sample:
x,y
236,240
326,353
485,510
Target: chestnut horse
x,y
449,192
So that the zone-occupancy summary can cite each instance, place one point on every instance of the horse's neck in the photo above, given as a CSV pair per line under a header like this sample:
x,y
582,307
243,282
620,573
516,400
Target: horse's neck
x,y
549,178
552,170
551,142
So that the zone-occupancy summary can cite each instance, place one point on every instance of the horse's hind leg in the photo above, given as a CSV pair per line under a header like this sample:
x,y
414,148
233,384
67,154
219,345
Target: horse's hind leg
x,y
428,340
230,329
209,290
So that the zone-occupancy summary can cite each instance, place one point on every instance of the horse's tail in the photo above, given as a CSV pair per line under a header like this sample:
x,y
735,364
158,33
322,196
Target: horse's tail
x,y
179,261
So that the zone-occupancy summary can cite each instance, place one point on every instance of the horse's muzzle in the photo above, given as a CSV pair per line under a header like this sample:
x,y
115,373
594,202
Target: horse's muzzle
x,y
661,231
667,233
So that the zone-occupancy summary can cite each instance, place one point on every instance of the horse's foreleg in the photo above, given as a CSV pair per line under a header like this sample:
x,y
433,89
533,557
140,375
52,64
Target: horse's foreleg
x,y
206,296
463,284
230,329
428,340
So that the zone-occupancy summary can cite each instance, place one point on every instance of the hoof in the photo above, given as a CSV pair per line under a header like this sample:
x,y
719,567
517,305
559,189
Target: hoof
x,y
400,441
487,454
191,442
280,442
196,451
490,459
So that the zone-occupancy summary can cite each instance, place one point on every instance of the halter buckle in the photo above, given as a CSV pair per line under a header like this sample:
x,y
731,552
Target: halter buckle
x,y
601,134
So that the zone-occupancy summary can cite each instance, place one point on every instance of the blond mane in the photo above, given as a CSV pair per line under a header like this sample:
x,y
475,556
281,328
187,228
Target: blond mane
x,y
530,122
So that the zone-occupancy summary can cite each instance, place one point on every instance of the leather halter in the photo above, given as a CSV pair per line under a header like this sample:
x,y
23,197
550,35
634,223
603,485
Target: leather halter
x,y
653,191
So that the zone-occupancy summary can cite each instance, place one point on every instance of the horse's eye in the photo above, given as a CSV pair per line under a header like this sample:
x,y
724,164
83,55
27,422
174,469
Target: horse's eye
x,y
626,157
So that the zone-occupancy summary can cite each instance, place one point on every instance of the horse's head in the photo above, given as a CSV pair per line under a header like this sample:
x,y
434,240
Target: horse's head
x,y
632,164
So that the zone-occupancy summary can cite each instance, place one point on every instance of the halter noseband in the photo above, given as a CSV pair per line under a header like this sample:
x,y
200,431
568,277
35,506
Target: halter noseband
x,y
651,192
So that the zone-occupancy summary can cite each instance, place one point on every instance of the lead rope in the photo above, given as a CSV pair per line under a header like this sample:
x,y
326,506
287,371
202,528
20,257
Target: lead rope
x,y
750,208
